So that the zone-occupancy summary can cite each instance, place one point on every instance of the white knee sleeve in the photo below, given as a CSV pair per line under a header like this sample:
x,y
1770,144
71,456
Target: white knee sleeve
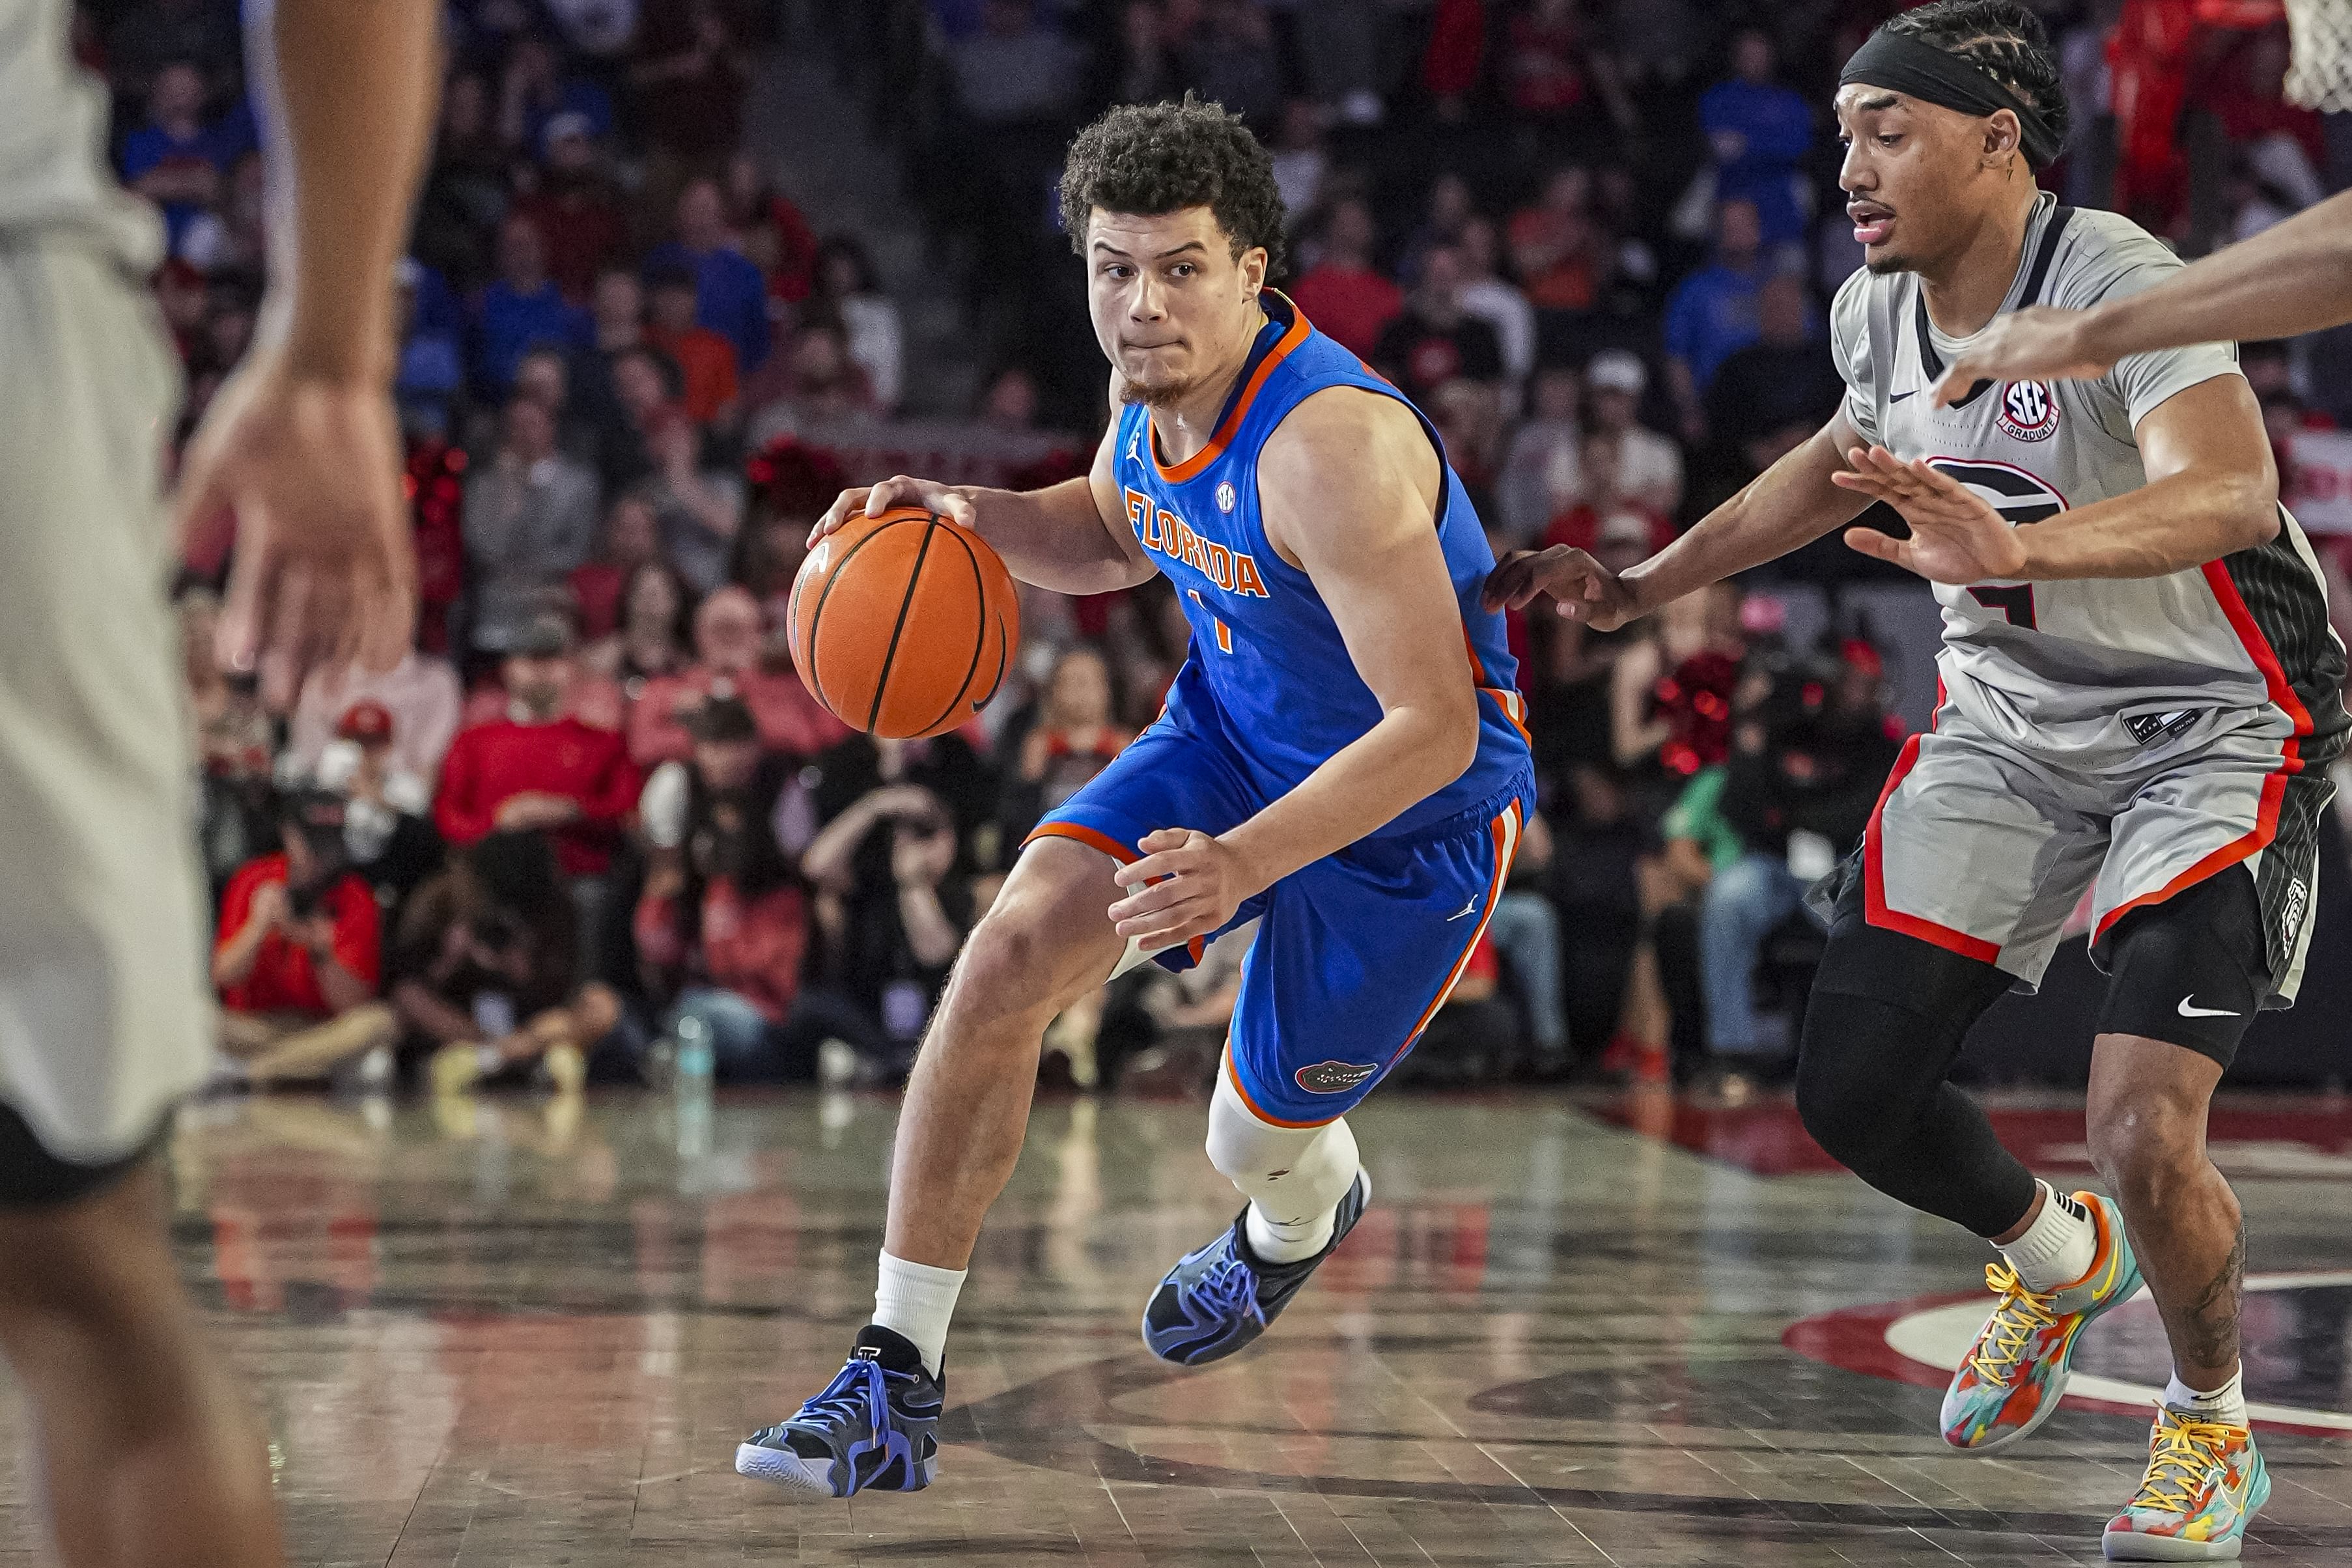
x,y
1292,1174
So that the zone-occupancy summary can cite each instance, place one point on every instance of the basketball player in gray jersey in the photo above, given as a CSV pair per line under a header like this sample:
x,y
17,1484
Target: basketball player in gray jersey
x,y
2140,702
147,1454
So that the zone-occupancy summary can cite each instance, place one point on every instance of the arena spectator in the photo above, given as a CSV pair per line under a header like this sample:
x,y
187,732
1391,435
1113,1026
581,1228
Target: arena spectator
x,y
1649,466
631,538
177,160
530,518
688,83
543,374
1009,400
731,295
147,38
1546,448
1343,294
388,836
524,309
1301,157
1015,69
847,286
1229,57
1775,393
772,231
1806,766
535,93
706,359
574,209
487,974
814,385
1552,242
645,384
730,640
1450,209
537,769
698,504
1074,738
724,921
1488,295
1524,931
1712,313
229,236
297,957
1759,134
1436,341
232,738
649,642
421,701
432,372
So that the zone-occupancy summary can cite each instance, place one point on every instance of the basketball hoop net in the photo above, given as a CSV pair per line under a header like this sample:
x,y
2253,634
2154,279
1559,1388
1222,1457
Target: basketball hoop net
x,y
2321,75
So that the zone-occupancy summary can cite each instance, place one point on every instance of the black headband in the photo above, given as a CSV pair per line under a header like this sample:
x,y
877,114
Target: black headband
x,y
1902,64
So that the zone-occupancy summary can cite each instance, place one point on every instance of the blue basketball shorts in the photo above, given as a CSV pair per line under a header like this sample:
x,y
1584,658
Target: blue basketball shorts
x,y
1355,952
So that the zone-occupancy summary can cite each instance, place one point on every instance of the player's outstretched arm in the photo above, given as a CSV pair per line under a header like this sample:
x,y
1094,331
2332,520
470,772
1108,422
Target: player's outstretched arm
x,y
2211,489
2294,278
1787,506
302,442
1348,488
1072,537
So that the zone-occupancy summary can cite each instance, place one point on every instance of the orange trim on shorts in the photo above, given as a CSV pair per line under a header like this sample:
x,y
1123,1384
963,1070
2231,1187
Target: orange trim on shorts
x,y
1094,838
1513,705
1506,830
1192,467
2258,648
1874,879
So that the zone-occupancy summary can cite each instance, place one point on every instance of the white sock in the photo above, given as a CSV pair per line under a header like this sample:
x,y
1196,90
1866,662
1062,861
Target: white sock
x,y
916,1301
2057,1249
2226,1404
1276,1241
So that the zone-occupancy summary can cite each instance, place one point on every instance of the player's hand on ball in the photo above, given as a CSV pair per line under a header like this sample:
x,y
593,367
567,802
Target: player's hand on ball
x,y
325,569
2039,341
1956,536
1584,589
1197,881
948,500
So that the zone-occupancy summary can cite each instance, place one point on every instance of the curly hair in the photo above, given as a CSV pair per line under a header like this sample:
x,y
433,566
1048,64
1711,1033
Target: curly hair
x,y
2004,40
1154,158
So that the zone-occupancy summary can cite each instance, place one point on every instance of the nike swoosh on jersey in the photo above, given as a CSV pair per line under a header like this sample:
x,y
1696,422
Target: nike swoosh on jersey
x,y
1899,396
2188,1011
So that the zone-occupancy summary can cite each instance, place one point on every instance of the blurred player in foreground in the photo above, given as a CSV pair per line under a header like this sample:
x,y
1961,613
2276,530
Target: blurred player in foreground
x,y
148,1454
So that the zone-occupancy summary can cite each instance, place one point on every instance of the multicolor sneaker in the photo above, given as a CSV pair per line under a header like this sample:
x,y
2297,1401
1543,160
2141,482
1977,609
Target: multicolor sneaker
x,y
2016,1372
1219,1298
2205,1482
874,1428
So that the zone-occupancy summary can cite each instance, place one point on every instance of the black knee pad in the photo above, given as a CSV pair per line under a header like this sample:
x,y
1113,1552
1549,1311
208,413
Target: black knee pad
x,y
2192,971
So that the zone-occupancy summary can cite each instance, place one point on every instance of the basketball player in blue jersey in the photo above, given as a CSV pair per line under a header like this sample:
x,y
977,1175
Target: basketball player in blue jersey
x,y
1342,759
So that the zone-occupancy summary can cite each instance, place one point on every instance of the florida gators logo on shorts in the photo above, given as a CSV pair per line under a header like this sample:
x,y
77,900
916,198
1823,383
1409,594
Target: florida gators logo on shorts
x,y
1334,1078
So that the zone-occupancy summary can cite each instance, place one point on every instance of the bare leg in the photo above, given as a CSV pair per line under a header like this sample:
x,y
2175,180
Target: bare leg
x,y
149,1456
315,1051
2147,1116
1045,943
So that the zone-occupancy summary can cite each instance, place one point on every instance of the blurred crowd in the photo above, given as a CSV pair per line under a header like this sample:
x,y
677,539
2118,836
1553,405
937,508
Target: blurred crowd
x,y
593,826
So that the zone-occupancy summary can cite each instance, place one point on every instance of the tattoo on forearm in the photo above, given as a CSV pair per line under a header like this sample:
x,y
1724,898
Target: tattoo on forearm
x,y
2212,1321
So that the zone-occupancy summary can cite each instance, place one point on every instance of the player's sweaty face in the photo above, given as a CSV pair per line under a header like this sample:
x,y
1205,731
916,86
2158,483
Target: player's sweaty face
x,y
1908,174
1173,306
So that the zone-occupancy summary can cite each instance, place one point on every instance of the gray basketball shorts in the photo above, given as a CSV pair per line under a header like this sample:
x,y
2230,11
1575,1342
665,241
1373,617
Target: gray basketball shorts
x,y
1987,850
105,1015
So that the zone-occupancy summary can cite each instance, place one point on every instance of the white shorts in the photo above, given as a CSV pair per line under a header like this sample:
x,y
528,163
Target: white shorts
x,y
105,1006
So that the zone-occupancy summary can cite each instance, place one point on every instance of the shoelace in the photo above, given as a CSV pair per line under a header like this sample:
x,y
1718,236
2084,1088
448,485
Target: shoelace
x,y
1228,1288
864,1379
2178,1463
2016,1319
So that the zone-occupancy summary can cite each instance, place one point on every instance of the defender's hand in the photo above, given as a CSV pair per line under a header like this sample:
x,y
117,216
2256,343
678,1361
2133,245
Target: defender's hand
x,y
325,569
1956,536
1197,881
2039,341
1585,590
948,500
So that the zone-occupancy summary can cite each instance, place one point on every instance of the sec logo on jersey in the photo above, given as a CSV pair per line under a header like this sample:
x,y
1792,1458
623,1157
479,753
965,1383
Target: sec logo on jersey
x,y
2028,411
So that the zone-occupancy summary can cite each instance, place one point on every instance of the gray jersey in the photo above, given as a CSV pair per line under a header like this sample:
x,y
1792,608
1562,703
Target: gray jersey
x,y
2097,668
53,174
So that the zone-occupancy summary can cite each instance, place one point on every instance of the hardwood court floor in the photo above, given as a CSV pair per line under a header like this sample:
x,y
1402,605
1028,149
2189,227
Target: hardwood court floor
x,y
506,1335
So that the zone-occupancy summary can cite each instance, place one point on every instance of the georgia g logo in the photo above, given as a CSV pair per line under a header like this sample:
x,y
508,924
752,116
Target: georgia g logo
x,y
2029,410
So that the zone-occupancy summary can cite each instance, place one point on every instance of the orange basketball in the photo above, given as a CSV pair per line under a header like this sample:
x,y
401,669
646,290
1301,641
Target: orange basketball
x,y
904,624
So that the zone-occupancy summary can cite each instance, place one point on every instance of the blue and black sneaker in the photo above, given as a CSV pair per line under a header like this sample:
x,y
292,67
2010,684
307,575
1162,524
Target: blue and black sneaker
x,y
874,1428
1221,1297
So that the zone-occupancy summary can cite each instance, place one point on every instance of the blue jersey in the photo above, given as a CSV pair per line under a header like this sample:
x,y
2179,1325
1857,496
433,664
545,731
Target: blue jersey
x,y
1267,674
